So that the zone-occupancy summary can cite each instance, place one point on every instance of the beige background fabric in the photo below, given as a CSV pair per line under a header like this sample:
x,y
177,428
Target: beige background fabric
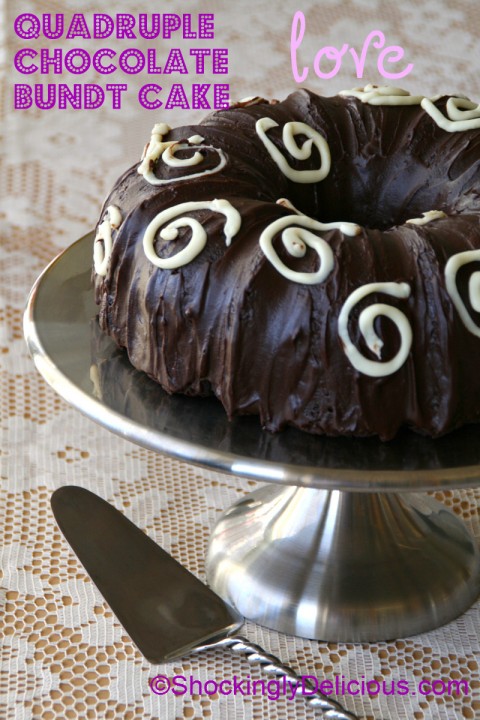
x,y
63,654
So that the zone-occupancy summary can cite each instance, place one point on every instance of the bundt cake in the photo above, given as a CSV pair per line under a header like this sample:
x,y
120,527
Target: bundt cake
x,y
314,261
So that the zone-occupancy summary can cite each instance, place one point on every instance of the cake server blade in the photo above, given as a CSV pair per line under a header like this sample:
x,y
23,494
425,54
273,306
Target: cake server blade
x,y
165,609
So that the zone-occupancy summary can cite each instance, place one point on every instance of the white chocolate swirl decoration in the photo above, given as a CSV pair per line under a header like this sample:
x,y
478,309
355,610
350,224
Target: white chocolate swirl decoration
x,y
462,113
249,101
103,244
289,131
451,269
159,148
198,238
296,239
285,202
383,95
366,320
427,217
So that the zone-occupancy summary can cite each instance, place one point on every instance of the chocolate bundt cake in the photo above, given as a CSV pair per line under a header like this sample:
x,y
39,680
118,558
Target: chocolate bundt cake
x,y
314,261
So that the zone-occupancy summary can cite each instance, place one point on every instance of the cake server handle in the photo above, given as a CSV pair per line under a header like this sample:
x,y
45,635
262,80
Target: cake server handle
x,y
331,710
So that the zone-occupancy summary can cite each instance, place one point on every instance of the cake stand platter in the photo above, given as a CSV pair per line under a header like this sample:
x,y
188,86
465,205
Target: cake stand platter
x,y
341,544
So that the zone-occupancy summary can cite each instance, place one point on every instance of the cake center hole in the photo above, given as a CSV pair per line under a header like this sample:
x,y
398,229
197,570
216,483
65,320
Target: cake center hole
x,y
373,191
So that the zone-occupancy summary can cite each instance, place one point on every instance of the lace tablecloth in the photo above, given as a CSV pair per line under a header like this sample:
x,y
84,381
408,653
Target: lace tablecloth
x,y
63,654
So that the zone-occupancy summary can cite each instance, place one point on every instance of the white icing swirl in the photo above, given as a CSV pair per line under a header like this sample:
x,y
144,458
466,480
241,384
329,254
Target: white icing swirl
x,y
155,147
249,101
159,148
474,291
461,108
169,157
296,239
462,114
285,202
383,95
198,238
103,244
427,217
451,269
366,320
291,129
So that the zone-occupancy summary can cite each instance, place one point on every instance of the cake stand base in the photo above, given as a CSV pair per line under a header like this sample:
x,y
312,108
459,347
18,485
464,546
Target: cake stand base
x,y
341,566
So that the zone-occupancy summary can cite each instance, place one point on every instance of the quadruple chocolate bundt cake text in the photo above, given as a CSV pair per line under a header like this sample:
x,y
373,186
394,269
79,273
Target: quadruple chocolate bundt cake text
x,y
314,261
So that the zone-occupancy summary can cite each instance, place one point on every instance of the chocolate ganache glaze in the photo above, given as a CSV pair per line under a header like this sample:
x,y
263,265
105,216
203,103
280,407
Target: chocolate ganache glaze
x,y
314,261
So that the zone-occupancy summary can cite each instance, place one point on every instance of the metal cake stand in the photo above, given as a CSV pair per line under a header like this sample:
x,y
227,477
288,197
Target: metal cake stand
x,y
342,544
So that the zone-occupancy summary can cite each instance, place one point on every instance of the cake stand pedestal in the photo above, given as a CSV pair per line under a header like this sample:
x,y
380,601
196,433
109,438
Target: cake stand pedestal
x,y
340,545
344,566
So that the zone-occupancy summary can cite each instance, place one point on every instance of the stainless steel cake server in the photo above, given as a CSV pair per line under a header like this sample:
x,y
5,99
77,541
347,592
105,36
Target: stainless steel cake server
x,y
165,609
